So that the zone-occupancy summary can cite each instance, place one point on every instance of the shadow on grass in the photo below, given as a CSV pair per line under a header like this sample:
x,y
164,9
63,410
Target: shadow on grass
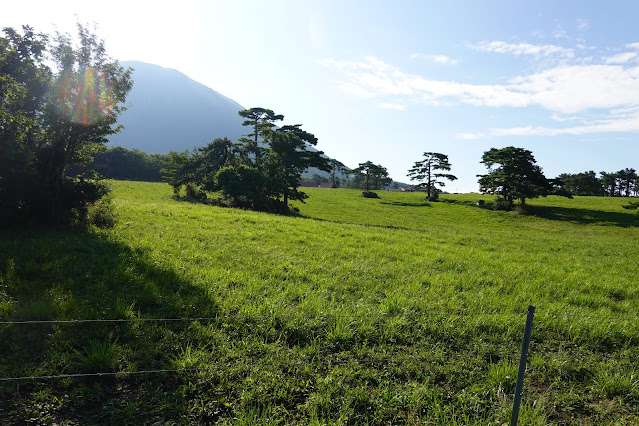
x,y
568,214
406,204
585,216
73,274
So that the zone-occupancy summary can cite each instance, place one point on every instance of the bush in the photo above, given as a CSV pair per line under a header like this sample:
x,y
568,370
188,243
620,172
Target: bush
x,y
503,204
102,213
370,194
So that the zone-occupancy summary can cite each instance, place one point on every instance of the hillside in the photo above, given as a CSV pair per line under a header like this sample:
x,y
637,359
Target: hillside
x,y
358,311
171,112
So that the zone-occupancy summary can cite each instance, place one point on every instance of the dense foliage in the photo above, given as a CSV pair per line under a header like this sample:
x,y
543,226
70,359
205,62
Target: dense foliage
x,y
624,183
513,174
52,118
260,174
124,164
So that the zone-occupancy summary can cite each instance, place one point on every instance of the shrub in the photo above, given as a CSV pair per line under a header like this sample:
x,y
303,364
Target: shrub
x,y
370,194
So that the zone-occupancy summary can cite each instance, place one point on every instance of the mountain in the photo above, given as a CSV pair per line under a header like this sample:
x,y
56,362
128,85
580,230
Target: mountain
x,y
169,111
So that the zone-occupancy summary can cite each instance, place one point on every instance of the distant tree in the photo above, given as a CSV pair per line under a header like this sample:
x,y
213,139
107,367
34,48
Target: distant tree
x,y
51,119
585,183
513,175
319,179
182,170
124,164
336,167
371,175
626,179
609,183
427,171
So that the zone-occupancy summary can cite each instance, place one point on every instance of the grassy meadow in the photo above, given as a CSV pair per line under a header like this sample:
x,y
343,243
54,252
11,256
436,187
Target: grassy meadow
x,y
353,311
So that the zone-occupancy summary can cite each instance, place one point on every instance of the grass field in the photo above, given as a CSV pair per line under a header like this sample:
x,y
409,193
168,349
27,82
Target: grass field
x,y
354,311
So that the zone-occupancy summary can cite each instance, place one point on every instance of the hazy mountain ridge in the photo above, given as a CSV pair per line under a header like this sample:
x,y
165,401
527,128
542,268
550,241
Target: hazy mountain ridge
x,y
169,111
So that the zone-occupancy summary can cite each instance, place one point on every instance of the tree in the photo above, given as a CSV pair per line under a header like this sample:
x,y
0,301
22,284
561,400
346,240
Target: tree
x,y
609,183
426,171
287,159
336,167
626,179
513,174
261,120
373,175
55,119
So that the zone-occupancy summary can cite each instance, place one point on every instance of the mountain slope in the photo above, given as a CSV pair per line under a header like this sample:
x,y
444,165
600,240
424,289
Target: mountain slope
x,y
169,111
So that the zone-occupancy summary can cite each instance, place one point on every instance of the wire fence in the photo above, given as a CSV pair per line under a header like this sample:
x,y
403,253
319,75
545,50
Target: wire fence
x,y
323,362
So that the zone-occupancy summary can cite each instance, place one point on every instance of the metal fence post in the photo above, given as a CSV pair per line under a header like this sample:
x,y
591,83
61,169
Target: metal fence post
x,y
522,365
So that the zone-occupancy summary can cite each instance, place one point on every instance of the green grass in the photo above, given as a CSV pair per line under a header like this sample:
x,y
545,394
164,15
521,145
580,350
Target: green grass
x,y
438,291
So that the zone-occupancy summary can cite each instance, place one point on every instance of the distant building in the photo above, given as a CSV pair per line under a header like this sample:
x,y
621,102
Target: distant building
x,y
326,185
308,185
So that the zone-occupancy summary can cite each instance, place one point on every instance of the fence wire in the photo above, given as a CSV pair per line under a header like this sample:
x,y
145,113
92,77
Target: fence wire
x,y
261,318
227,366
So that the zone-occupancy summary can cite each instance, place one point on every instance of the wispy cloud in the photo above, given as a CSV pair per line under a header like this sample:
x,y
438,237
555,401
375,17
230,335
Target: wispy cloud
x,y
583,24
438,59
523,49
621,58
573,90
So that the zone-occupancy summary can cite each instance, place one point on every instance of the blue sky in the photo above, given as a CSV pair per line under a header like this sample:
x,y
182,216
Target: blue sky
x,y
386,81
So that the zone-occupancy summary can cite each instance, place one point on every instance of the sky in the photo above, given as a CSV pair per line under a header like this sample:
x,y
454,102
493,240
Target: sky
x,y
386,81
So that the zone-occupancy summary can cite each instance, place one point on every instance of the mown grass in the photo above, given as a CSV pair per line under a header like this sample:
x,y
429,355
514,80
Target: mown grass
x,y
430,297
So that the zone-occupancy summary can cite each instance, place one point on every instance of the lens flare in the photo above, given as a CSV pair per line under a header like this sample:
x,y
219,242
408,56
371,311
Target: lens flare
x,y
84,96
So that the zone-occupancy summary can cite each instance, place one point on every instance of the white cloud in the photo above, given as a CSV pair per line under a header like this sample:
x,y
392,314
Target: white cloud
x,y
594,94
563,89
621,58
523,49
611,125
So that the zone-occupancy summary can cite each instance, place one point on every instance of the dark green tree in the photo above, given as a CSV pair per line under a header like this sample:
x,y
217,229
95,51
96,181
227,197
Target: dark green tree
x,y
428,172
62,117
287,158
513,175
371,176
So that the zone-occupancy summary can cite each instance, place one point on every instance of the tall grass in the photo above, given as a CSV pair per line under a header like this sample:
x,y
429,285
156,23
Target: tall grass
x,y
437,290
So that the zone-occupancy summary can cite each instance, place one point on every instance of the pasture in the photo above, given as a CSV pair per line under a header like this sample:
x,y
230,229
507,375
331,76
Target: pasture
x,y
353,311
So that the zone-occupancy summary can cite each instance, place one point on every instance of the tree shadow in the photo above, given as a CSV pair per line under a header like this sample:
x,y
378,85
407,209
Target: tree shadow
x,y
64,274
567,214
585,216
407,204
